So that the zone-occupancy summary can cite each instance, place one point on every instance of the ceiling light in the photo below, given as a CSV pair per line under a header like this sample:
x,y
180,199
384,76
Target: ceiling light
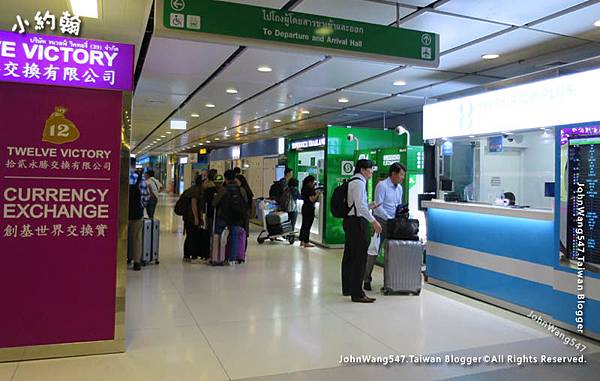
x,y
194,115
163,136
306,112
208,141
256,127
168,132
231,91
200,144
399,83
491,56
85,8
277,121
343,100
178,124
264,69
209,105
158,140
217,139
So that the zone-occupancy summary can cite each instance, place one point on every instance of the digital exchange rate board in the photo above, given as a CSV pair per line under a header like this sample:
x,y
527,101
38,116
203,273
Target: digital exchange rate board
x,y
584,201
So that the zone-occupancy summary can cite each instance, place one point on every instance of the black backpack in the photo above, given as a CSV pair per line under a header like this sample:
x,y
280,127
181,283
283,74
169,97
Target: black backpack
x,y
402,228
287,202
276,191
233,205
183,204
339,199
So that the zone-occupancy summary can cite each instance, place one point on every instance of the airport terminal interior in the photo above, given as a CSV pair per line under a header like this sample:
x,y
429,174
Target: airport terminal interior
x,y
172,174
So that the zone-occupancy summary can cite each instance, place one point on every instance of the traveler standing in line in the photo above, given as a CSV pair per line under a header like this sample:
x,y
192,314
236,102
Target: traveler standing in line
x,y
211,188
193,221
356,229
244,184
388,194
154,187
210,178
279,186
136,218
143,188
289,202
309,197
231,203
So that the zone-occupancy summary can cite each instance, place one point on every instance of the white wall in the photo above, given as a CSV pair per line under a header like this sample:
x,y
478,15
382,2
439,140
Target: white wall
x,y
269,164
254,174
523,168
219,165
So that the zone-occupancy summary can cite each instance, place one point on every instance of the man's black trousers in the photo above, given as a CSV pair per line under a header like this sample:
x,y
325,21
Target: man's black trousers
x,y
355,255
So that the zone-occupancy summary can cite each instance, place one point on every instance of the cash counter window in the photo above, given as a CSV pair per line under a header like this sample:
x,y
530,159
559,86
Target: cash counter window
x,y
484,169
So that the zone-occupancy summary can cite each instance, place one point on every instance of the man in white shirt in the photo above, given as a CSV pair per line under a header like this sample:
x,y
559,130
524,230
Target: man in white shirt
x,y
388,194
154,187
356,229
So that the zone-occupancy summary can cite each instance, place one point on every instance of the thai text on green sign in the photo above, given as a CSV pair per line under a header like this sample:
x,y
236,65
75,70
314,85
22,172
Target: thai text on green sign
x,y
241,24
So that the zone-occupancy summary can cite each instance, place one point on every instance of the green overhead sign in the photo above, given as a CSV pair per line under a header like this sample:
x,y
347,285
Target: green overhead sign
x,y
240,24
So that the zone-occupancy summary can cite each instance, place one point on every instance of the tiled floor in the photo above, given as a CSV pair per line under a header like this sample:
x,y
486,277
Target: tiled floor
x,y
281,317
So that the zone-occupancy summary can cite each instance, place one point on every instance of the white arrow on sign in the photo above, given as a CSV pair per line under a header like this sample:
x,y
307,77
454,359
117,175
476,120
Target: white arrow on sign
x,y
178,5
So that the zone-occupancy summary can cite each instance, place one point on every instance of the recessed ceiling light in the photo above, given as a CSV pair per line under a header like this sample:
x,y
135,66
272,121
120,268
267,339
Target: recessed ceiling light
x,y
178,124
231,91
163,136
209,105
597,23
256,127
194,115
208,141
158,140
399,83
217,139
491,56
277,121
168,132
305,112
201,144
264,69
84,8
343,100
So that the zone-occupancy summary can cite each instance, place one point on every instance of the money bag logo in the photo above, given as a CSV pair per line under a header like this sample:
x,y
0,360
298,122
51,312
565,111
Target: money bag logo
x,y
59,129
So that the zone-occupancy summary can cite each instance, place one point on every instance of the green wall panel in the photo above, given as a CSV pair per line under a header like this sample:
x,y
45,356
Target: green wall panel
x,y
339,150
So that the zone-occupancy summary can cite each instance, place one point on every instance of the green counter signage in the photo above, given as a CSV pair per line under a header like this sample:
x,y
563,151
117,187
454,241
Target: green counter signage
x,y
240,24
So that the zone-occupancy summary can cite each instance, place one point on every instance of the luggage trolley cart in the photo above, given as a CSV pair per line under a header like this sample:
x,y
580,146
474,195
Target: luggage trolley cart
x,y
275,224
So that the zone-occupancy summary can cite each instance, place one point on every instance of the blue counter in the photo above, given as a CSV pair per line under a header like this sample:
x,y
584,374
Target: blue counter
x,y
506,257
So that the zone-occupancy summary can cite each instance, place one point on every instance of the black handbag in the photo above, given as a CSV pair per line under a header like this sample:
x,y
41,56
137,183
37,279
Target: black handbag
x,y
402,228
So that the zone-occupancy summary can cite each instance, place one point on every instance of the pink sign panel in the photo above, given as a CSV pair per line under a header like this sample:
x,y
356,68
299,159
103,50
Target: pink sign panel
x,y
73,62
59,184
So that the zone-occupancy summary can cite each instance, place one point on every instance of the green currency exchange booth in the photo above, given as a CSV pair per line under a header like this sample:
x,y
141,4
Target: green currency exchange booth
x,y
329,155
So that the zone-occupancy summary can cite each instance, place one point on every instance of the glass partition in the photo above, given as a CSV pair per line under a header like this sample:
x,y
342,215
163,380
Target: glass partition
x,y
517,166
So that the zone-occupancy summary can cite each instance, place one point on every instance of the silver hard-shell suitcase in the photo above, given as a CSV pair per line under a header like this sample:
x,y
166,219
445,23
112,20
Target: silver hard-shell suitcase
x,y
402,267
155,240
148,252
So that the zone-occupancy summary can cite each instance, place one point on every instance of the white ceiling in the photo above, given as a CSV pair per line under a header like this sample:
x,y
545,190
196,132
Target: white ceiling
x,y
528,35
